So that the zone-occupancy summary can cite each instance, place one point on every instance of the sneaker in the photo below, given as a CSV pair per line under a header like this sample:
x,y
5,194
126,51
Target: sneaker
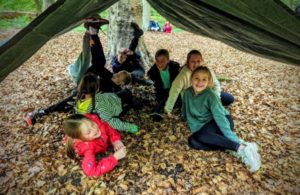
x,y
95,21
137,31
250,156
30,118
156,116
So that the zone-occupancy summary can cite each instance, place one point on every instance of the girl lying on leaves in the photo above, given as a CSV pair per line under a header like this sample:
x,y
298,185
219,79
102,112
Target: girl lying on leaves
x,y
87,135
210,123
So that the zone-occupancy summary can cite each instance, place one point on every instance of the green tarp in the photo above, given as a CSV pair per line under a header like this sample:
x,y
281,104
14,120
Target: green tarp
x,y
265,28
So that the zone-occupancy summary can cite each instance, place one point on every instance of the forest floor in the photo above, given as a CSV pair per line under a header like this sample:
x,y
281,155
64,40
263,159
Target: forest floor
x,y
266,111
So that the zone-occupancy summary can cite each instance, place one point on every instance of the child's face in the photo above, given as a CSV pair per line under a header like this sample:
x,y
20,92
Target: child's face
x,y
194,62
89,130
161,62
122,58
200,81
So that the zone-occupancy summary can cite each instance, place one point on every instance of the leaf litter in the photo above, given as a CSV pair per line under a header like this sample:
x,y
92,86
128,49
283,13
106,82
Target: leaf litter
x,y
159,161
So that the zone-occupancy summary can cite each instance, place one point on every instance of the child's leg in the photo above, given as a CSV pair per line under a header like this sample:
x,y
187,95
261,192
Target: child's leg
x,y
226,98
77,70
125,95
98,57
211,135
161,98
61,106
137,33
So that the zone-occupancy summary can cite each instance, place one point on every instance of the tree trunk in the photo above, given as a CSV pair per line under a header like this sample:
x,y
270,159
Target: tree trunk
x,y
120,32
146,14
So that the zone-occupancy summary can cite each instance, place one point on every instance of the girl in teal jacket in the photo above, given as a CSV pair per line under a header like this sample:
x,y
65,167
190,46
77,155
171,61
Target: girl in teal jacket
x,y
211,123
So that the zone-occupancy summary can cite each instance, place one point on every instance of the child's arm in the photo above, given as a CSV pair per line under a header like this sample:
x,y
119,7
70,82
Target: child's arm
x,y
113,135
92,168
183,112
216,82
116,123
218,112
176,88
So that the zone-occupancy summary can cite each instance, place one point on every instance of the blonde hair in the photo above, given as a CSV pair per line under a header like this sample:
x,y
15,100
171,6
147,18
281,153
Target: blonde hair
x,y
204,69
72,129
127,77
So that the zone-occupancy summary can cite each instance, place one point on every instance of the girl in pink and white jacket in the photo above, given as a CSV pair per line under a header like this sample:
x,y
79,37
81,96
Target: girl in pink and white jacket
x,y
87,135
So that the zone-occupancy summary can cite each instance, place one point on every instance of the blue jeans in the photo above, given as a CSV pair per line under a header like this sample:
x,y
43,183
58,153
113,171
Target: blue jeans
x,y
226,98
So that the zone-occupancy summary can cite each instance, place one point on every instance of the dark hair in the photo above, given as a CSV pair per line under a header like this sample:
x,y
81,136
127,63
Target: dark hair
x,y
192,52
71,127
89,84
162,52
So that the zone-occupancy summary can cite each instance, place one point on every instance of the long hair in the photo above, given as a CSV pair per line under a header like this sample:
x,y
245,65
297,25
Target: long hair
x,y
192,52
89,84
204,69
72,129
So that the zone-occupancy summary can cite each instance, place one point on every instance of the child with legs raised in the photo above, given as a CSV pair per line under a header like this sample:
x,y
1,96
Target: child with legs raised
x,y
210,123
87,135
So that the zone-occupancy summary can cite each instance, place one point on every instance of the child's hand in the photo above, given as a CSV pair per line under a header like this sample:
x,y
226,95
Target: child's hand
x,y
121,153
133,128
92,42
118,145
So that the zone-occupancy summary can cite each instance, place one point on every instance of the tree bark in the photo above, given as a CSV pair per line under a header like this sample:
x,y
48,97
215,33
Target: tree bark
x,y
120,32
146,14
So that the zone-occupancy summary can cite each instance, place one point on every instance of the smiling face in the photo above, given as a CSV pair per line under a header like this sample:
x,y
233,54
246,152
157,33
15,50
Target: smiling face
x,y
89,130
200,81
161,62
194,61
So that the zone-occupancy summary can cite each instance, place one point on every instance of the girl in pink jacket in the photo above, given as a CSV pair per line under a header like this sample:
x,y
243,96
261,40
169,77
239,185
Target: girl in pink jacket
x,y
87,135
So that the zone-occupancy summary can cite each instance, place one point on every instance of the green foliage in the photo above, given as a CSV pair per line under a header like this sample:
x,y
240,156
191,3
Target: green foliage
x,y
20,5
291,3
19,22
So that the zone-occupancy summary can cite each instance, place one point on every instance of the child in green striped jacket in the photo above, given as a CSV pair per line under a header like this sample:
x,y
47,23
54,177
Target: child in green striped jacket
x,y
107,105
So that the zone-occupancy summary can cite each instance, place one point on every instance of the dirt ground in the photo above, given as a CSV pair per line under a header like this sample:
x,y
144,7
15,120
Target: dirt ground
x,y
266,111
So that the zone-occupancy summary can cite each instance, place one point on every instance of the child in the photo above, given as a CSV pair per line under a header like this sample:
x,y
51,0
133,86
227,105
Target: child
x,y
167,27
163,73
87,135
210,122
111,82
182,82
128,60
107,105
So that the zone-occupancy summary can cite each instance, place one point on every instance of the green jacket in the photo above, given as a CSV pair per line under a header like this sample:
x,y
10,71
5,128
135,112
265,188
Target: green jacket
x,y
182,82
108,106
199,109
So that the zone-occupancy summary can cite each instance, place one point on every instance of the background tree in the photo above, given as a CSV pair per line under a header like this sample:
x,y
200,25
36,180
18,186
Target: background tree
x,y
146,14
120,31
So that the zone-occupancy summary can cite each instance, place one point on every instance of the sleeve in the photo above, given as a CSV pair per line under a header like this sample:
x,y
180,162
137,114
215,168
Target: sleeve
x,y
183,109
92,168
216,83
176,88
112,133
116,66
114,122
220,118
150,73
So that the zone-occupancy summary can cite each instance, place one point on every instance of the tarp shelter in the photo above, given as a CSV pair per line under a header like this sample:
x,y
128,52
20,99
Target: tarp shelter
x,y
266,27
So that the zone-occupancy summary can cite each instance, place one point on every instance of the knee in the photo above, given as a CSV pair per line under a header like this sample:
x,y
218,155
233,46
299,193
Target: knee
x,y
226,98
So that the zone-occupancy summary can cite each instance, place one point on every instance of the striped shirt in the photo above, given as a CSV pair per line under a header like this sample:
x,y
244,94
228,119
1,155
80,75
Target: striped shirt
x,y
108,106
